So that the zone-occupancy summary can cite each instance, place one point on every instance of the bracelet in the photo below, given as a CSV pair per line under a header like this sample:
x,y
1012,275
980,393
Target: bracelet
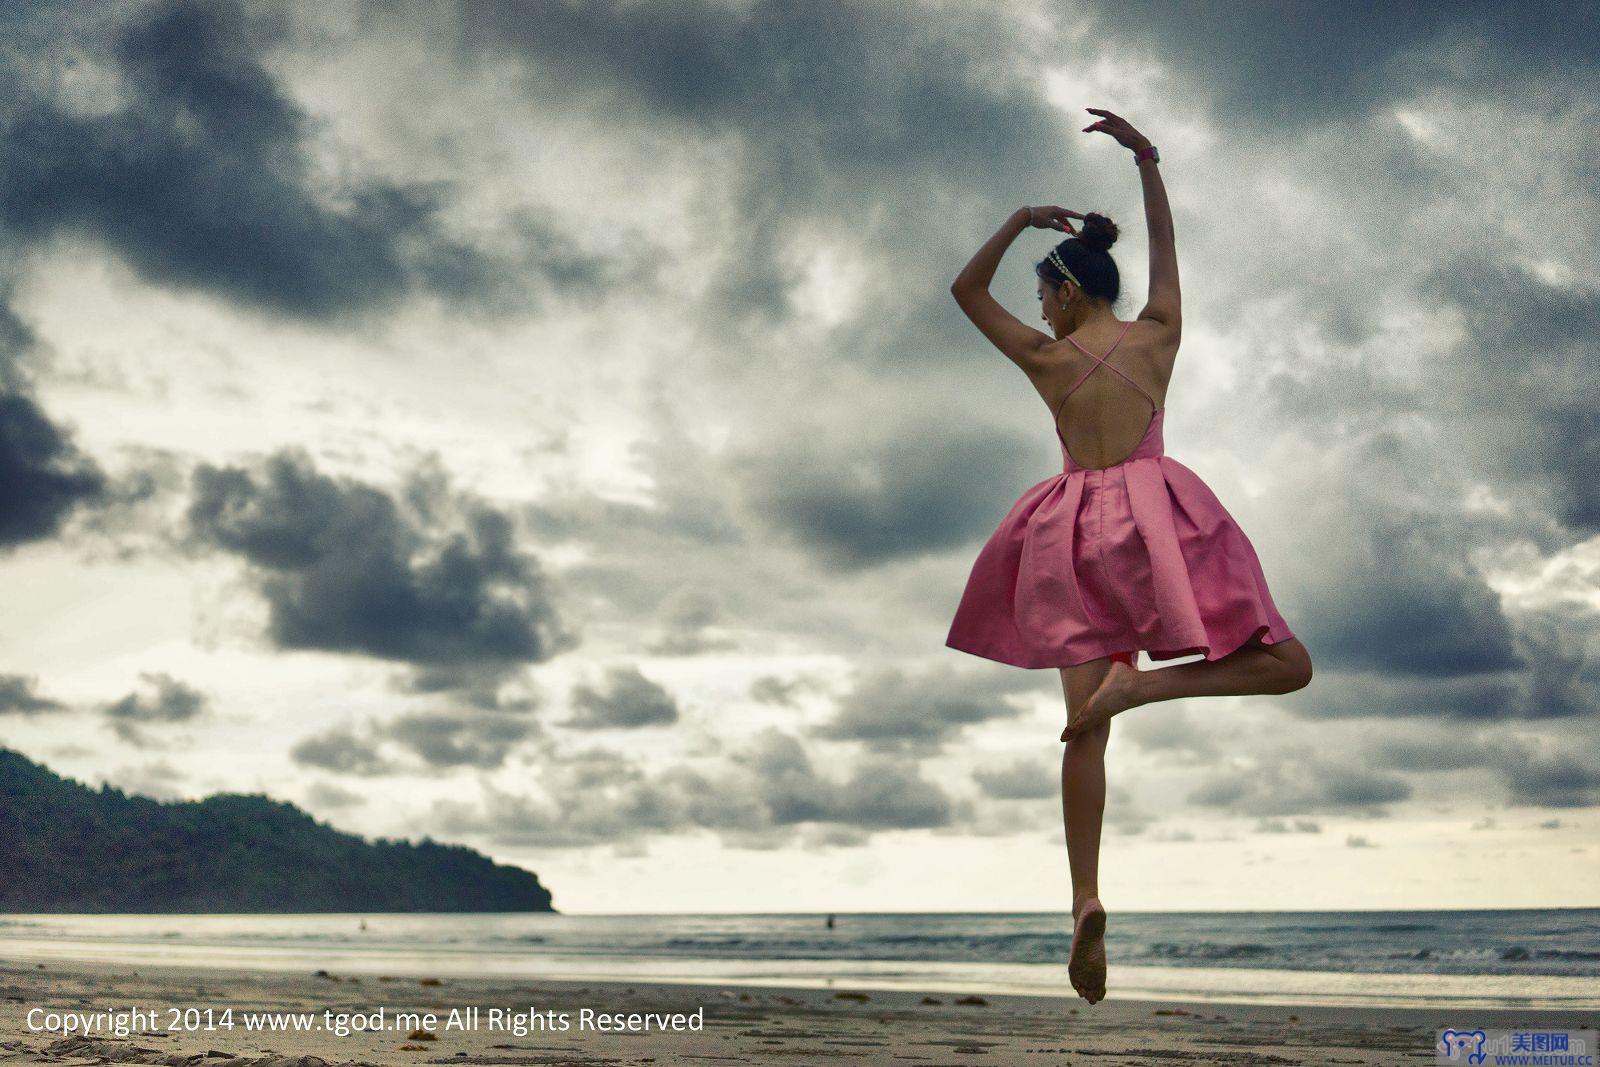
x,y
1147,152
1030,215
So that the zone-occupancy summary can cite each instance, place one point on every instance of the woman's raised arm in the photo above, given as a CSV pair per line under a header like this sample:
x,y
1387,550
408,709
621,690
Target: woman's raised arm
x,y
1164,304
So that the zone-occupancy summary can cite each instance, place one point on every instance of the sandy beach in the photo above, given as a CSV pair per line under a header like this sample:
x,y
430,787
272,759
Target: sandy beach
x,y
716,1023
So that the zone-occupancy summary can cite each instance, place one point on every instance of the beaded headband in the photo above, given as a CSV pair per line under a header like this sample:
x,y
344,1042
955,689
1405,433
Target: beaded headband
x,y
1062,267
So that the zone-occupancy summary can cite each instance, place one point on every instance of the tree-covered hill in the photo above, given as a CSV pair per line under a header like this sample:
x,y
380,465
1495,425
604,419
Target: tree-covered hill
x,y
65,847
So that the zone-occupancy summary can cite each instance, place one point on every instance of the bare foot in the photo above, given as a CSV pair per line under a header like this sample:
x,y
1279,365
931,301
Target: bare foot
x,y
1086,966
1118,691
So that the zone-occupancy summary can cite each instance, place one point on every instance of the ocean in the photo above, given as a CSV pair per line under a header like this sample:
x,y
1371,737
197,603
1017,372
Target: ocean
x,y
1492,958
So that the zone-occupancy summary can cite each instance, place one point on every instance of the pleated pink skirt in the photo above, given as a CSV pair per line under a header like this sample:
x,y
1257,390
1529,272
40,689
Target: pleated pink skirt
x,y
1091,563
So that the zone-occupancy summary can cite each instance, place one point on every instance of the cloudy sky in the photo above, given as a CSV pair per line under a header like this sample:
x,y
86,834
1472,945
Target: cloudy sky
x,y
546,427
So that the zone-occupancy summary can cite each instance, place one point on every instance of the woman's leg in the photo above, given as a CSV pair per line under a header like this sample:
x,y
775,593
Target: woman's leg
x,y
1083,800
1254,668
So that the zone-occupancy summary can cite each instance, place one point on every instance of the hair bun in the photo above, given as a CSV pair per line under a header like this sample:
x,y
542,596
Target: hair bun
x,y
1098,232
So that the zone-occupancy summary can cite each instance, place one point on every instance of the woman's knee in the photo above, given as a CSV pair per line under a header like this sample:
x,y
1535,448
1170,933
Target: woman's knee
x,y
1296,667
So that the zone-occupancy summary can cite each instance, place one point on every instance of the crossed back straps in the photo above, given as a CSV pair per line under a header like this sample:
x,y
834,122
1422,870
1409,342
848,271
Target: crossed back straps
x,y
1100,361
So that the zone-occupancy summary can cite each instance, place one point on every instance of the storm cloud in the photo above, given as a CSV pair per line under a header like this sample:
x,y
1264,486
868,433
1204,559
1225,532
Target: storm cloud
x,y
349,567
628,700
19,695
167,700
199,169
764,794
889,710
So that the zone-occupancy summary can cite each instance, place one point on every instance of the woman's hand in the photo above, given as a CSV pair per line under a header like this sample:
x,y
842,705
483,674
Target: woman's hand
x,y
1117,127
1049,217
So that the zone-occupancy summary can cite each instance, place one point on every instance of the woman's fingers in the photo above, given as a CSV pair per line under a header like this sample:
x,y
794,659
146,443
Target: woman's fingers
x,y
1110,122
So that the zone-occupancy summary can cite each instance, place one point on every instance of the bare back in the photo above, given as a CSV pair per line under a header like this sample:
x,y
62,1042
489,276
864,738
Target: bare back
x,y
1105,383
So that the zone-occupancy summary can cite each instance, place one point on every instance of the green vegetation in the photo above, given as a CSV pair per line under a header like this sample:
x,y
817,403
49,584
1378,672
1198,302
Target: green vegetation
x,y
66,848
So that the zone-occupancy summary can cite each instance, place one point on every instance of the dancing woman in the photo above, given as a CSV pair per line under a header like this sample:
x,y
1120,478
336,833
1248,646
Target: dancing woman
x,y
1126,550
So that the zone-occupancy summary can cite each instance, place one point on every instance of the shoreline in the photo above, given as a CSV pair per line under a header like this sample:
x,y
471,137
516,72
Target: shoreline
x,y
740,1021
1270,987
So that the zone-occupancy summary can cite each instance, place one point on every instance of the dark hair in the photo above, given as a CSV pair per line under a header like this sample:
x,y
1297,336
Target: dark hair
x,y
1088,257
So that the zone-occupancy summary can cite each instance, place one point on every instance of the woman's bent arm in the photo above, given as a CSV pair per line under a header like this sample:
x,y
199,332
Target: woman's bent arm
x,y
1019,341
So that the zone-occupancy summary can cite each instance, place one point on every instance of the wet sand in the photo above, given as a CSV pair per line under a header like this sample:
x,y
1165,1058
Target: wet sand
x,y
739,1024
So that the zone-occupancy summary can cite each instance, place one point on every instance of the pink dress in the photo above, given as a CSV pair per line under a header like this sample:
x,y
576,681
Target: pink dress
x,y
1109,561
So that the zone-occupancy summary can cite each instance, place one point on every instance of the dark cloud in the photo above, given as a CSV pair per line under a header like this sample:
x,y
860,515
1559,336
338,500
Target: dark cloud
x,y
892,796
203,174
45,478
1330,62
43,475
1444,749
890,709
1565,680
341,749
167,701
466,684
1403,603
770,689
133,517
419,577
1550,772
1551,779
1124,814
857,108
825,835
1172,732
855,88
19,695
440,741
885,493
628,700
1385,583
768,793
1362,694
878,794
1555,679
595,797
1023,779
1286,784
444,739
1535,406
